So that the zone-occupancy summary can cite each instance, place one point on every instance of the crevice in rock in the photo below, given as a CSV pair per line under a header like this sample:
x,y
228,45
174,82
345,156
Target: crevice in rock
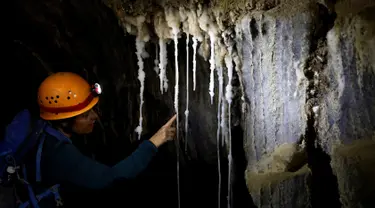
x,y
323,183
240,195
253,28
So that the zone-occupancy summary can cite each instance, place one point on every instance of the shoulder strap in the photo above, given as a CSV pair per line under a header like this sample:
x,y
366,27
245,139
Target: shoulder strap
x,y
34,199
55,133
31,140
38,174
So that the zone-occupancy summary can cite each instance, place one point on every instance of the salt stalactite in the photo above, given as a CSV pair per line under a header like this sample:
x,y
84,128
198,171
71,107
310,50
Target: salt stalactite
x,y
162,65
196,32
187,91
142,37
175,37
195,44
220,77
237,57
141,77
223,123
228,92
229,59
163,32
223,105
184,14
176,90
174,23
212,65
237,61
220,54
229,96
206,24
156,61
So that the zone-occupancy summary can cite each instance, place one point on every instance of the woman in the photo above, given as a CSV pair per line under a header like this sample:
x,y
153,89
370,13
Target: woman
x,y
66,101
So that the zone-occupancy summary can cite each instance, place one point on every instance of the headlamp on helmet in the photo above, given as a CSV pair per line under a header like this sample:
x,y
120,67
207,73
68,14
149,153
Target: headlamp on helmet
x,y
97,89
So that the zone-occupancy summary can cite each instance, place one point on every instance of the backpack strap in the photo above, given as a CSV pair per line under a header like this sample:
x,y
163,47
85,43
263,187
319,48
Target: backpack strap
x,y
38,174
53,190
55,133
34,199
32,140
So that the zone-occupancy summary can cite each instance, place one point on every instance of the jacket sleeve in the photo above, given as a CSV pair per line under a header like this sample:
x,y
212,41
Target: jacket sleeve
x,y
65,163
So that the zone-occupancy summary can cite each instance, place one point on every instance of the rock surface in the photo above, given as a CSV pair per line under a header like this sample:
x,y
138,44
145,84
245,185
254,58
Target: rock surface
x,y
302,113
346,122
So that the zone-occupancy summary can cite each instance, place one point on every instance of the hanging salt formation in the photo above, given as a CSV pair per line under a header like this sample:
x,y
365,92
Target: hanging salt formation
x,y
195,44
156,61
223,123
226,35
195,31
212,65
187,91
162,65
141,38
237,57
163,32
175,38
174,23
208,26
175,33
184,18
220,79
141,77
228,96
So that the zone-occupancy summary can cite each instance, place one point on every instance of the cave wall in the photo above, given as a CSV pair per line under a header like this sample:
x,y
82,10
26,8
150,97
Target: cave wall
x,y
346,120
275,48
316,82
327,77
302,94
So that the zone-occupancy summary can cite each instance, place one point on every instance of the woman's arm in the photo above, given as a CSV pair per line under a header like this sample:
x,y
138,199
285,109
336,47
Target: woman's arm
x,y
65,163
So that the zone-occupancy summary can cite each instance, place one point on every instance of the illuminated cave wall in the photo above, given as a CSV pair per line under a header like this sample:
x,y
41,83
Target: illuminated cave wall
x,y
303,74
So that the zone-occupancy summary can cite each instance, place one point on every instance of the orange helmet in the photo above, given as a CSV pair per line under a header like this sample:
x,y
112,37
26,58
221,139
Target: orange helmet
x,y
65,95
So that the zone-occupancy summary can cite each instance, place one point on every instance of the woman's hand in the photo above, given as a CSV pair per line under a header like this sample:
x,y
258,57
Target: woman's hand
x,y
165,133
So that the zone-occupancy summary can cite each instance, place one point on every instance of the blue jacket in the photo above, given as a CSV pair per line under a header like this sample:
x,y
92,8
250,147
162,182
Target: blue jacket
x,y
63,163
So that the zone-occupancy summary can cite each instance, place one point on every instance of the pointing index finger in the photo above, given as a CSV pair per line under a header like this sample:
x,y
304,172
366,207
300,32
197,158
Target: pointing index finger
x,y
170,122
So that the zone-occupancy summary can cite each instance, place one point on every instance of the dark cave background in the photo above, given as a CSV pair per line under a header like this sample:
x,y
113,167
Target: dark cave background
x,y
45,36
84,37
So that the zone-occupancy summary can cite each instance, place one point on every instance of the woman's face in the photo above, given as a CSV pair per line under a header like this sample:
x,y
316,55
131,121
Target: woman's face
x,y
84,123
